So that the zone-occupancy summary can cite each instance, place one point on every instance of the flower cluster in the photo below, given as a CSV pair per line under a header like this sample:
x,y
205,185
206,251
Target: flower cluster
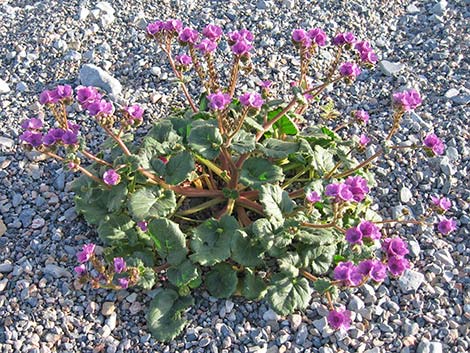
x,y
364,230
351,275
366,53
240,42
361,116
34,137
441,205
219,101
407,100
170,26
346,38
307,39
396,249
349,70
251,100
111,177
434,144
59,94
90,99
353,189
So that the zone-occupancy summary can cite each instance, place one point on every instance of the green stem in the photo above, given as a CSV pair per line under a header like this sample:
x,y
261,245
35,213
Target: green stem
x,y
295,178
201,207
359,166
251,205
221,173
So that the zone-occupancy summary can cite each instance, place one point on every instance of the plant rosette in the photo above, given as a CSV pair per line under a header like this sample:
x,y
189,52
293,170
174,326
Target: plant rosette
x,y
231,194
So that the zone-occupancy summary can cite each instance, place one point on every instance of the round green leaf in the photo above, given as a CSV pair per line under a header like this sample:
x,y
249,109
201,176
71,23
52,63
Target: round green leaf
x,y
182,274
222,281
286,294
179,167
151,202
206,140
246,251
169,240
252,286
258,171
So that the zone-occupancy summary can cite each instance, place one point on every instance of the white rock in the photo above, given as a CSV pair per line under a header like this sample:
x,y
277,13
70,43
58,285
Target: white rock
x,y
6,267
320,324
92,75
3,228
389,68
111,321
6,142
453,92
3,284
412,9
445,257
410,280
429,347
21,86
270,315
83,13
4,87
56,271
105,7
107,19
440,8
405,195
108,308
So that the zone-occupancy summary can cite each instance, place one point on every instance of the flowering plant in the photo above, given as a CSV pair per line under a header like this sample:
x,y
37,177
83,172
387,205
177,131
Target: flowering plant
x,y
231,193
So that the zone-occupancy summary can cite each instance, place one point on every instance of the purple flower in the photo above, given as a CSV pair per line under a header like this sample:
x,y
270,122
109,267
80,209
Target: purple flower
x,y
318,36
32,138
80,270
119,265
339,191
407,100
242,34
313,196
442,203
369,230
366,53
69,138
86,253
155,27
347,273
445,226
212,32
87,95
32,124
173,25
397,265
53,136
110,177
241,48
375,269
183,60
361,115
354,235
299,35
100,107
434,144
219,100
395,247
339,319
206,46
363,46
349,70
135,111
46,98
358,187
74,127
344,38
123,282
142,225
251,100
265,84
188,35
61,92
363,140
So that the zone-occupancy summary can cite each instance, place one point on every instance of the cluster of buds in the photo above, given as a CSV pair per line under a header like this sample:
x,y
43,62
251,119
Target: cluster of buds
x,y
115,276
34,137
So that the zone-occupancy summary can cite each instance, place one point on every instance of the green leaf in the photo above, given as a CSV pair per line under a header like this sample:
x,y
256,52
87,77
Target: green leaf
x,y
258,171
222,281
93,205
318,258
179,167
165,319
274,148
251,122
211,240
322,160
269,237
284,125
286,294
116,227
246,251
117,197
146,278
183,274
290,263
163,132
252,286
151,202
317,237
322,286
132,162
169,240
243,142
276,203
206,140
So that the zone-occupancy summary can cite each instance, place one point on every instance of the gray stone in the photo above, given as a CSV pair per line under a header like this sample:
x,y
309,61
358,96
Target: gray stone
x,y
111,321
3,228
290,4
4,88
263,4
301,335
355,303
6,142
320,324
92,75
429,347
414,247
412,9
452,153
295,320
56,271
405,195
461,100
451,93
26,217
83,13
410,280
21,86
325,350
446,167
270,315
389,68
445,257
229,306
440,8
6,267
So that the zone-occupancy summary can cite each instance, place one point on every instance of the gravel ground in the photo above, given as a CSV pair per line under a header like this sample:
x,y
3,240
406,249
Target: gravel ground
x,y
422,44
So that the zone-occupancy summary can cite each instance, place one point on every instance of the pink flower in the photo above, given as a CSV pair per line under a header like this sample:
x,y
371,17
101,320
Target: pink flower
x,y
339,319
206,46
212,32
60,93
366,53
344,38
361,115
236,36
313,196
155,27
395,247
407,100
434,144
32,124
442,203
318,36
251,100
119,265
69,138
86,253
300,36
350,70
87,95
397,265
348,273
183,60
110,177
375,269
135,111
188,35
32,138
358,187
142,225
369,230
46,98
241,48
80,270
219,101
173,25
123,282
446,226
354,235
364,140
340,191
100,107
